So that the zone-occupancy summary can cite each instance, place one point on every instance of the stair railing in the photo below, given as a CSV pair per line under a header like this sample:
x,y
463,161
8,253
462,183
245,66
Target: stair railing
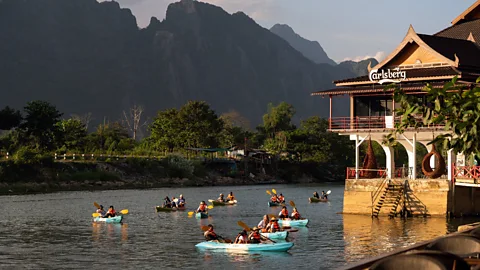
x,y
410,196
378,189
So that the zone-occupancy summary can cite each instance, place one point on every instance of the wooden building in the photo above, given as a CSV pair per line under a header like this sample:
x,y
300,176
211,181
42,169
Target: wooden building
x,y
417,60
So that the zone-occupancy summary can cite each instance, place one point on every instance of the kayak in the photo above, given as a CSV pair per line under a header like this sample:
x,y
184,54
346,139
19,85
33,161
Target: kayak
x,y
116,219
283,246
272,204
315,200
293,222
276,235
201,215
217,203
165,209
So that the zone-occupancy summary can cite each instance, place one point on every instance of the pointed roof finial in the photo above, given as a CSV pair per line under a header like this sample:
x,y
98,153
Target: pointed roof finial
x,y
457,60
410,29
471,38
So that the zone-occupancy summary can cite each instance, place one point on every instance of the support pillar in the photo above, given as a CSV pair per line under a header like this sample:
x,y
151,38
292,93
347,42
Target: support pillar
x,y
357,157
451,157
411,147
390,161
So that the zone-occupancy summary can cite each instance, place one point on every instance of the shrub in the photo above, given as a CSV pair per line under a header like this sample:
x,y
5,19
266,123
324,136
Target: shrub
x,y
26,155
178,166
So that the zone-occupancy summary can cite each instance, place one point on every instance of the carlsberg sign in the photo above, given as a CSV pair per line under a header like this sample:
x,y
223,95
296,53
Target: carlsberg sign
x,y
387,75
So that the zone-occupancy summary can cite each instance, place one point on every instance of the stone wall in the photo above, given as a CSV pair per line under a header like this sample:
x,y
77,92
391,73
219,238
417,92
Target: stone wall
x,y
434,193
467,201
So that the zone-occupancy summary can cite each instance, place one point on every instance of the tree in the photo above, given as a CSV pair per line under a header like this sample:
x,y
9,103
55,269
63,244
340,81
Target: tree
x,y
85,119
39,127
9,118
200,125
456,106
165,129
73,133
278,118
235,129
134,119
235,119
108,136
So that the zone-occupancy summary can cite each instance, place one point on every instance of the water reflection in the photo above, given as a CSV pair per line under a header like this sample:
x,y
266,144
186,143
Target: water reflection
x,y
366,237
109,231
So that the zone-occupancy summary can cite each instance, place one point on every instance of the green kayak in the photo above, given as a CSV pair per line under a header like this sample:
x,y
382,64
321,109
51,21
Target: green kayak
x,y
315,200
166,209
217,203
272,204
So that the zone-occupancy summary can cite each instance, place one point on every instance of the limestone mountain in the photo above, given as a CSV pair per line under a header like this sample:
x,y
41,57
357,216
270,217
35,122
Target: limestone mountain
x,y
359,68
310,49
85,56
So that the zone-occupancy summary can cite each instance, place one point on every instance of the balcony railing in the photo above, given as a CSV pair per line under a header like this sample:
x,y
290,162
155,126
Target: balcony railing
x,y
369,122
466,172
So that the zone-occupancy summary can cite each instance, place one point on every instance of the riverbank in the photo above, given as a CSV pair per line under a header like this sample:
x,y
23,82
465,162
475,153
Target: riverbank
x,y
48,176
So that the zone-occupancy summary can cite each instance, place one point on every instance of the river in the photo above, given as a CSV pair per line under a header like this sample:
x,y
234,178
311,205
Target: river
x,y
56,230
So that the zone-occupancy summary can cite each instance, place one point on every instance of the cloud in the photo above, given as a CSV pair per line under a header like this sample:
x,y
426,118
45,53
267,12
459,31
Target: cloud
x,y
380,55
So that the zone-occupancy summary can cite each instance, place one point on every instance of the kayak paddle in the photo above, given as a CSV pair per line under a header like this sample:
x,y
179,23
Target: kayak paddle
x,y
190,213
123,212
292,203
96,205
211,200
210,207
95,214
274,191
269,193
205,228
246,228
328,192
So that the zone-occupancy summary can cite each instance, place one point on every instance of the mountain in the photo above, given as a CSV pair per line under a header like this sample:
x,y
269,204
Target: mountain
x,y
359,68
310,49
85,56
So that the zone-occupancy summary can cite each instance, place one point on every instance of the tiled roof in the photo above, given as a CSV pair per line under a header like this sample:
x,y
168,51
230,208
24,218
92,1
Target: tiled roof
x,y
374,88
413,73
467,51
462,30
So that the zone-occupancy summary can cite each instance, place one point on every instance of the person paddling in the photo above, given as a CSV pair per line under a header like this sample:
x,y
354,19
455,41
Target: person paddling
x,y
283,213
167,203
295,214
273,225
174,204
111,212
281,199
230,197
101,211
202,208
315,195
210,235
181,201
221,199
255,237
324,195
264,223
241,238
274,198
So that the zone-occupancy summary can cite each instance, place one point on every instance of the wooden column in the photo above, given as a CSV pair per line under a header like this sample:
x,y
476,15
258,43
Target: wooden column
x,y
330,118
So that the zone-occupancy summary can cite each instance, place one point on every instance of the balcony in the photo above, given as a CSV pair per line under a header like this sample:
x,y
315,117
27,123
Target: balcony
x,y
371,123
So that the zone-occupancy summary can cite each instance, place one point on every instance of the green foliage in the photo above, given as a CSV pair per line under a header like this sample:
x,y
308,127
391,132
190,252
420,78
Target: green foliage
x,y
9,118
73,133
178,166
26,155
278,118
39,128
454,105
165,130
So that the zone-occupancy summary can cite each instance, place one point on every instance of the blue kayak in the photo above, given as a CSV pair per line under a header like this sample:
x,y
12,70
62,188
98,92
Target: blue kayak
x,y
276,235
273,204
201,215
116,219
293,222
214,245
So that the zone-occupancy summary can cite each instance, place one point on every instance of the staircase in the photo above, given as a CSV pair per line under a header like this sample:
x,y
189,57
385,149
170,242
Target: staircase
x,y
390,199
413,206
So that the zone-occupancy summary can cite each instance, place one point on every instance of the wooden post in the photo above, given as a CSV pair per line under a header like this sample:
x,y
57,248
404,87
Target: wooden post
x,y
330,119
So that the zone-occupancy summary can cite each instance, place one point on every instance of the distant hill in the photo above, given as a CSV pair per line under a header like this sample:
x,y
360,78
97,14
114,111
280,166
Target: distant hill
x,y
86,56
310,49
359,68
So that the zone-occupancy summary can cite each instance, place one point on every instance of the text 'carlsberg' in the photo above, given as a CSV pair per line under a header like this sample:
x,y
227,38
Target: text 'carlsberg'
x,y
389,75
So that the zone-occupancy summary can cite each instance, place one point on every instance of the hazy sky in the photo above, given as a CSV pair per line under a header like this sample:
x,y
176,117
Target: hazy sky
x,y
346,29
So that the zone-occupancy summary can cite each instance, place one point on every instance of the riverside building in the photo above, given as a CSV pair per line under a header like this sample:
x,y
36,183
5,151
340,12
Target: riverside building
x,y
442,182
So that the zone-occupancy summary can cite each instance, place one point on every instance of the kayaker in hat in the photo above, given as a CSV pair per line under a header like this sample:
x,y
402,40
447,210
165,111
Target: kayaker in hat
x,y
324,195
273,225
281,199
274,198
230,196
264,223
210,235
315,195
295,214
202,208
255,237
241,238
221,199
101,211
111,212
283,213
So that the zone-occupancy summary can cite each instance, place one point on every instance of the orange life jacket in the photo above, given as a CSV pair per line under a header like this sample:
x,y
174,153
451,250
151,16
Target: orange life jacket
x,y
296,215
273,199
276,226
256,236
284,212
202,208
281,198
111,211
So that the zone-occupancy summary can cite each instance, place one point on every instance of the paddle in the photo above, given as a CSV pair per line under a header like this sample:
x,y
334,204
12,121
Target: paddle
x,y
292,203
192,212
269,193
96,205
328,192
205,228
211,200
246,228
274,191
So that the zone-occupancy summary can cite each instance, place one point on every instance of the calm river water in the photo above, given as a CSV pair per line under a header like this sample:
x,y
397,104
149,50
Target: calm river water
x,y
56,231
